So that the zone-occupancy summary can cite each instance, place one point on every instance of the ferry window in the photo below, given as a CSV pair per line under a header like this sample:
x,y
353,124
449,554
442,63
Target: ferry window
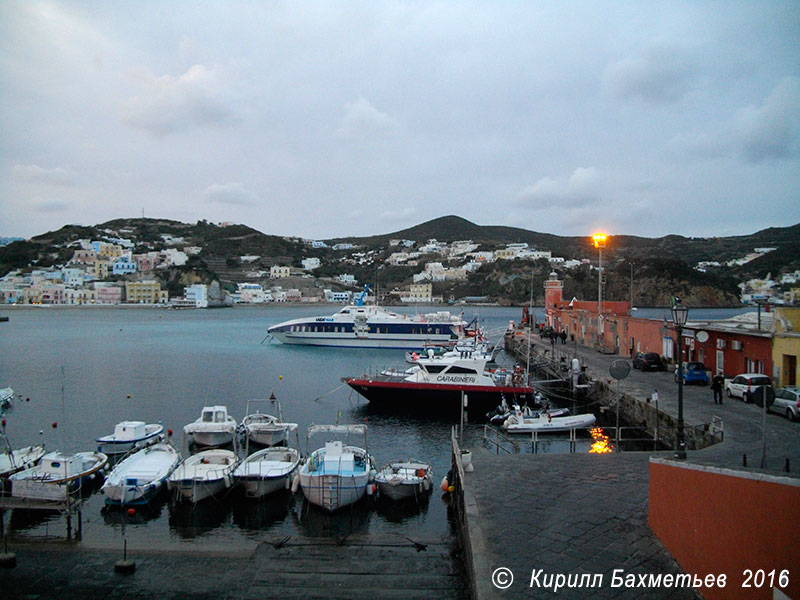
x,y
435,368
220,417
208,417
457,369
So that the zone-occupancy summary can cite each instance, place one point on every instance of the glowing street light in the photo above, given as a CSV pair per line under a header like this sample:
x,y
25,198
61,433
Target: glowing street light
x,y
599,240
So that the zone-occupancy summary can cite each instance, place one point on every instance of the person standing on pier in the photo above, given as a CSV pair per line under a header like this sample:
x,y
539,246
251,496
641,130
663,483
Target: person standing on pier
x,y
717,382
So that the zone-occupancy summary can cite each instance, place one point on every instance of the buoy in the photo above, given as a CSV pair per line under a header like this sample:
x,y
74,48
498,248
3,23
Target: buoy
x,y
169,432
55,425
4,422
131,512
451,489
445,484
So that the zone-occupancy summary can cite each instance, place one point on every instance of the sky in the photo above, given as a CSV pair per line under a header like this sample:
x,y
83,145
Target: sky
x,y
339,118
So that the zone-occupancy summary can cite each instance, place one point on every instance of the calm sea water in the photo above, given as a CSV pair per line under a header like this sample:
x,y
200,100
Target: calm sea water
x,y
86,369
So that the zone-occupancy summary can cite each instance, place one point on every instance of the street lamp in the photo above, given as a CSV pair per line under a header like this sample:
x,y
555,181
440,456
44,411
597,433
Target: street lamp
x,y
679,315
599,240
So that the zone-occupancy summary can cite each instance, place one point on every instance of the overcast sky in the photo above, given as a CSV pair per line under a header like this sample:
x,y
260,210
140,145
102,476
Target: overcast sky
x,y
326,119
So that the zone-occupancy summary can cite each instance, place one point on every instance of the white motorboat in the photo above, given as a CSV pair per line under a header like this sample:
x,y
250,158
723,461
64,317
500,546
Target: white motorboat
x,y
6,397
544,422
336,475
404,479
503,412
371,326
130,435
57,474
140,476
13,461
266,471
203,475
215,427
264,429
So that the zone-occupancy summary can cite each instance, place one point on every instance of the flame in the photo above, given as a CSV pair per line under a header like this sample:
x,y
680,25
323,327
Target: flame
x,y
600,444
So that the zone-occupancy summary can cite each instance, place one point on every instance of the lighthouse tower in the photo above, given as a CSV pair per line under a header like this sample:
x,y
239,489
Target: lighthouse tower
x,y
552,297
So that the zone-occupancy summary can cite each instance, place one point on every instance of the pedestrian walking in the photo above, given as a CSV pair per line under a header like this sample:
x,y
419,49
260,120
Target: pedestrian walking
x,y
717,382
563,337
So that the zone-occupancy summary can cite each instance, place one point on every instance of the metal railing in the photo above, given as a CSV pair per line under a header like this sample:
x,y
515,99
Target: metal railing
x,y
499,440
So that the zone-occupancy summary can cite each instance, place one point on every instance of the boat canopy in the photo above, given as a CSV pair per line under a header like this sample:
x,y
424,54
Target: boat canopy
x,y
343,429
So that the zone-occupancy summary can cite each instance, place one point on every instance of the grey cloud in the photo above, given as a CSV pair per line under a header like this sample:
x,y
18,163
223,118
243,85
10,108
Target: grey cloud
x,y
37,174
363,119
168,104
230,193
47,205
772,129
757,133
583,187
661,74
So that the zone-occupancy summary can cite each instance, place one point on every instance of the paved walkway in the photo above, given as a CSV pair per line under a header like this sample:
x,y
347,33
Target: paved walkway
x,y
291,569
544,515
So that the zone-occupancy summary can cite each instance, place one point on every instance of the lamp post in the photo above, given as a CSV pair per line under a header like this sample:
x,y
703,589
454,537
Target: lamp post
x,y
599,240
679,315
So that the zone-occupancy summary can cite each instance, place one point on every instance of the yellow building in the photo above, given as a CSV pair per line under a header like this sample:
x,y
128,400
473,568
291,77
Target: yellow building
x,y
786,346
421,292
145,292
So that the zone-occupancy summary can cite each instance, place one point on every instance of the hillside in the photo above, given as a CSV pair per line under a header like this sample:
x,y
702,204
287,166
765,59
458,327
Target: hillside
x,y
647,270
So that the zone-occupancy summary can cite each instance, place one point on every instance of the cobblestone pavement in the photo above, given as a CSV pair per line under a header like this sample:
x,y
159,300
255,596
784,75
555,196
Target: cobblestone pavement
x,y
292,569
587,514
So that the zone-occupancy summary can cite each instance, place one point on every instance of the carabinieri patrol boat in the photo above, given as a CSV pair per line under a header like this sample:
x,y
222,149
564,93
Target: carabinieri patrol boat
x,y
371,326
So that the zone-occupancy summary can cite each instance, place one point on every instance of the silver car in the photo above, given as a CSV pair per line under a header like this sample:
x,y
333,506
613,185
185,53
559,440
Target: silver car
x,y
787,402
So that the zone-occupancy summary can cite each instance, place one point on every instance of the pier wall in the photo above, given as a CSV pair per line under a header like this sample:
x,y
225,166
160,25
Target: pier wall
x,y
633,410
722,521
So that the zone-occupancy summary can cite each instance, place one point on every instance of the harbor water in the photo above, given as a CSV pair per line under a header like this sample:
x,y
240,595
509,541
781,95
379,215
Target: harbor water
x,y
79,371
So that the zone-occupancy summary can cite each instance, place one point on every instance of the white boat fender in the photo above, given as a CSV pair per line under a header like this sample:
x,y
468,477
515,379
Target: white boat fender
x,y
370,489
295,483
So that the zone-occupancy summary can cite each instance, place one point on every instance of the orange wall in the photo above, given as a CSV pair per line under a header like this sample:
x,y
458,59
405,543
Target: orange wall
x,y
723,523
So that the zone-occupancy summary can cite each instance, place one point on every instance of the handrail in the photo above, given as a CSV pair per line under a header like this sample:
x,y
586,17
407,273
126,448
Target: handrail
x,y
498,436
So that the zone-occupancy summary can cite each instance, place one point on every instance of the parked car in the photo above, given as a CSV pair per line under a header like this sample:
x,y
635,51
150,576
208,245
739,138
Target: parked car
x,y
647,361
693,372
742,385
787,402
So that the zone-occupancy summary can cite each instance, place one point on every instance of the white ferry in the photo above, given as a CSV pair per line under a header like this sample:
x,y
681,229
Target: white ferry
x,y
371,326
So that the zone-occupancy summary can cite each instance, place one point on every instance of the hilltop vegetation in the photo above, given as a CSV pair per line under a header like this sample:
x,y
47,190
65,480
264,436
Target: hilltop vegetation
x,y
647,270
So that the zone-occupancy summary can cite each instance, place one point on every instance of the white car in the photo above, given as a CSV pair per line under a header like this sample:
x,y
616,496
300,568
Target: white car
x,y
787,402
741,385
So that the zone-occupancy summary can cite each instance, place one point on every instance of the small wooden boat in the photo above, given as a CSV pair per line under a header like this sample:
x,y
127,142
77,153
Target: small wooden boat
x,y
215,427
264,429
203,475
130,435
266,471
140,476
57,474
404,479
336,475
544,422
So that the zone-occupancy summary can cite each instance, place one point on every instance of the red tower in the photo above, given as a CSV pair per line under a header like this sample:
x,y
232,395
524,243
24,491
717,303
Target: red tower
x,y
552,297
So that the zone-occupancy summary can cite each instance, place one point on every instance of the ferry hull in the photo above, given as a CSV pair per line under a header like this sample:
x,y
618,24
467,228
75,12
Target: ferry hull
x,y
403,394
373,341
